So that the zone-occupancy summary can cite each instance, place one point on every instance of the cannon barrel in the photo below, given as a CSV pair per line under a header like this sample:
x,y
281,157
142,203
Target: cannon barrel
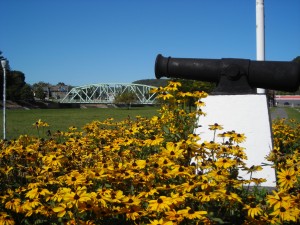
x,y
274,75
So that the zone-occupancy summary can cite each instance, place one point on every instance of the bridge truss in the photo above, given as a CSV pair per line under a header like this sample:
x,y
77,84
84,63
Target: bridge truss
x,y
107,93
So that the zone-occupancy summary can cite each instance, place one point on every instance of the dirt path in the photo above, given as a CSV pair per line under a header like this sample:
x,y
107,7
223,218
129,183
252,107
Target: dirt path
x,y
278,113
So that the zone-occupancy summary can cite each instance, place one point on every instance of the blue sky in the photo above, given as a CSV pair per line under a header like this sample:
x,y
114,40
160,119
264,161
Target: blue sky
x,y
82,42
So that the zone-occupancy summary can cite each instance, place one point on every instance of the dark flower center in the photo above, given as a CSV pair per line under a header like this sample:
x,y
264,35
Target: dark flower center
x,y
282,209
160,201
191,211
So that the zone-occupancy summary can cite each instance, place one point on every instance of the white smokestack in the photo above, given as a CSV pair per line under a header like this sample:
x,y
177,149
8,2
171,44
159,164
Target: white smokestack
x,y
260,35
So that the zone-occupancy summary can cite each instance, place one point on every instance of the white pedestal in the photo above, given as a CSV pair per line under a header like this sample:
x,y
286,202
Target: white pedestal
x,y
247,114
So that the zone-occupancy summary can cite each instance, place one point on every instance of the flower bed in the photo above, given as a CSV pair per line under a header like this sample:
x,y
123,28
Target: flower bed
x,y
146,171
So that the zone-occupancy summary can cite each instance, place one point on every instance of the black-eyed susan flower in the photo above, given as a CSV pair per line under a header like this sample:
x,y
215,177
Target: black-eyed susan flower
x,y
79,196
191,214
225,162
287,178
74,178
253,209
6,219
154,140
131,201
174,216
160,222
278,198
172,86
215,126
14,205
286,213
116,196
164,95
36,192
163,203
172,150
30,204
40,123
63,209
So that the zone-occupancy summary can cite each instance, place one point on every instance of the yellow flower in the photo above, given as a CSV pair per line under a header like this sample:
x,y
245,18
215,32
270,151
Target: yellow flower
x,y
225,162
199,103
161,204
117,196
30,204
74,178
40,123
138,164
191,214
52,160
253,209
62,209
215,127
184,94
207,196
286,213
238,138
174,216
172,150
14,205
287,178
79,196
277,199
165,95
154,140
132,201
6,219
160,222
36,192
172,86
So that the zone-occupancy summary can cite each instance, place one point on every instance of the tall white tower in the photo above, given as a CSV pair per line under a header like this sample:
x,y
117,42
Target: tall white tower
x,y
260,35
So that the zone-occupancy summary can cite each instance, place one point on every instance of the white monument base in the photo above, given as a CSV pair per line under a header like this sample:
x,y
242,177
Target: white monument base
x,y
245,114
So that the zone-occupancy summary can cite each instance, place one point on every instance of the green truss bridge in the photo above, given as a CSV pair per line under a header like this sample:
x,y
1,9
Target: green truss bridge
x,y
107,93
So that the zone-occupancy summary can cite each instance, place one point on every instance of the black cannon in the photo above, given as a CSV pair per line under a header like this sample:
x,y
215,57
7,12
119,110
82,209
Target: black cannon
x,y
232,76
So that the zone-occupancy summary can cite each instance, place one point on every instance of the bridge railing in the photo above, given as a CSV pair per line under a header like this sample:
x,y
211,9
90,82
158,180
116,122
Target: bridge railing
x,y
107,93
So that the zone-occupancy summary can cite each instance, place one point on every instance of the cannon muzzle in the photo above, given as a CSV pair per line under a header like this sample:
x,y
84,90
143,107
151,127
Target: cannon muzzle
x,y
238,73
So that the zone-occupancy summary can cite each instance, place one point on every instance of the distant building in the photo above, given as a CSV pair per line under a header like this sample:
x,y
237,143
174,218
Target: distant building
x,y
287,100
56,91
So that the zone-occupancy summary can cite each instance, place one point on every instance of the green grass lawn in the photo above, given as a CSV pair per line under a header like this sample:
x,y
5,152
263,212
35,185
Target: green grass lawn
x,y
21,121
293,113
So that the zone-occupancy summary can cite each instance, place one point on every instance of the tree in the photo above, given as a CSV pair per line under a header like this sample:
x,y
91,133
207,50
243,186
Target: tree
x,y
127,97
27,93
39,93
15,81
40,84
297,59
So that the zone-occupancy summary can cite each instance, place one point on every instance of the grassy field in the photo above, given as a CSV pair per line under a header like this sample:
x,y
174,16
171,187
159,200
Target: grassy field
x,y
293,113
21,121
